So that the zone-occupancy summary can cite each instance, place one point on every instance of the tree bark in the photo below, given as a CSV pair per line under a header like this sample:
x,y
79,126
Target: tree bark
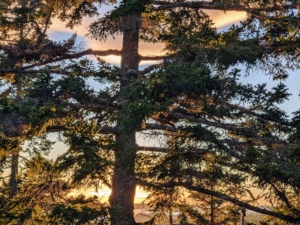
x,y
212,211
13,181
123,180
170,217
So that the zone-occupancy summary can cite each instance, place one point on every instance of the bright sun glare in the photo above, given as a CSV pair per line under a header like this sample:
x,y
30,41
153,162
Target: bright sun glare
x,y
104,193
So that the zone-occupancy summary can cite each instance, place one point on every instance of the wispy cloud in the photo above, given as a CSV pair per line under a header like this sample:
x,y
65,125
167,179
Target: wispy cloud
x,y
222,19
58,31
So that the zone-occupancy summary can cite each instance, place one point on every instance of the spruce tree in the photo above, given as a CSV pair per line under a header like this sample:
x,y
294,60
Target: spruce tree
x,y
210,126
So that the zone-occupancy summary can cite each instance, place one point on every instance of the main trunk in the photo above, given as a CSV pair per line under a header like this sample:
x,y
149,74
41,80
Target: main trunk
x,y
123,181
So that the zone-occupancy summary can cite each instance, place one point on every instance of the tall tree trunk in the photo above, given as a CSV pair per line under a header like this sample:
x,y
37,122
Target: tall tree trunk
x,y
123,180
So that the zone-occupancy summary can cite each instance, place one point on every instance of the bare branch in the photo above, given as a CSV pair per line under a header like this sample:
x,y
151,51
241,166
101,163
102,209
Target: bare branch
x,y
150,68
89,106
146,70
154,58
52,129
64,72
104,129
76,56
61,72
154,126
151,149
25,70
281,195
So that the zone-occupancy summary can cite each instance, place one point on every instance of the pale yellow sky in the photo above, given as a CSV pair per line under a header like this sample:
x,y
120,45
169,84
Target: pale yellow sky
x,y
104,193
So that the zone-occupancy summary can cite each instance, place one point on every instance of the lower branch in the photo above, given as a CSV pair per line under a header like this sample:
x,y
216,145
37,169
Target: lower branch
x,y
150,68
60,72
152,149
154,126
235,201
104,129
154,58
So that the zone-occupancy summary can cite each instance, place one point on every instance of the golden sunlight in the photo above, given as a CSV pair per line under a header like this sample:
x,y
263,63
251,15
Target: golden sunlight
x,y
222,19
58,30
104,193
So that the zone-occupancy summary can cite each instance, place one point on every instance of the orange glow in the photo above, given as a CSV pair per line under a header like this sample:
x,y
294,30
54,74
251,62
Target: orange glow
x,y
104,193
221,18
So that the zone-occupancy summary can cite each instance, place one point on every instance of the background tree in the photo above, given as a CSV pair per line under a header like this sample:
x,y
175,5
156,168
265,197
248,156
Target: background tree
x,y
193,101
215,210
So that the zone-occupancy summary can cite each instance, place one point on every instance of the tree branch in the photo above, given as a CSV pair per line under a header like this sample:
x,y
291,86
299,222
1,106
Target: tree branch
x,y
154,126
149,69
146,70
263,17
229,127
235,201
104,129
282,196
154,58
61,72
152,149
76,56
25,70
253,113
162,5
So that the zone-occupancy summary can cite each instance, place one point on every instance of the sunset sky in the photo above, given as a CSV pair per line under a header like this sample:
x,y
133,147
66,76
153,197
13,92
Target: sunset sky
x,y
222,20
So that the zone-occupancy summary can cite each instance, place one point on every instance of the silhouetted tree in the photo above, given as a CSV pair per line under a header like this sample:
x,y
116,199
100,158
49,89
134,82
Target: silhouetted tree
x,y
192,103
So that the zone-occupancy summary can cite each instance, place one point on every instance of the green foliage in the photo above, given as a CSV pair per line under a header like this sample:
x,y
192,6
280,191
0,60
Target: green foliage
x,y
80,211
90,158
216,134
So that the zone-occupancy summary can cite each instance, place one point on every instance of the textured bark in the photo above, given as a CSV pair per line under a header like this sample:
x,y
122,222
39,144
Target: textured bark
x,y
212,211
13,181
170,217
123,181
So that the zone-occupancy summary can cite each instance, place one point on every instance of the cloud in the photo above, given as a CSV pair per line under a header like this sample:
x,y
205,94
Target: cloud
x,y
58,31
222,19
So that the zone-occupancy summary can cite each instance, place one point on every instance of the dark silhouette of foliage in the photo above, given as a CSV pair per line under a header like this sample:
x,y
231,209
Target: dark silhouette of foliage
x,y
218,137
